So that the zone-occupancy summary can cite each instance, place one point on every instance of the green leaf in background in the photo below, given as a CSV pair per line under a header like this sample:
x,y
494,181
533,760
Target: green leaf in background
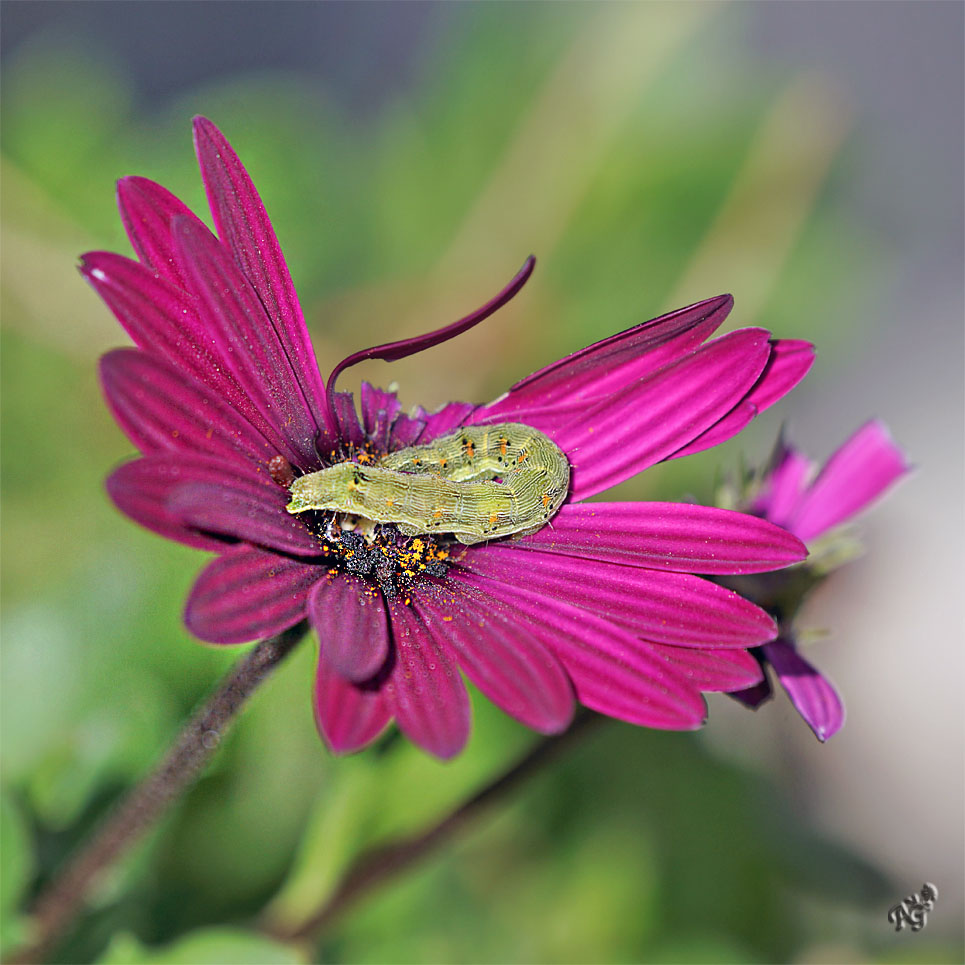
x,y
15,870
210,946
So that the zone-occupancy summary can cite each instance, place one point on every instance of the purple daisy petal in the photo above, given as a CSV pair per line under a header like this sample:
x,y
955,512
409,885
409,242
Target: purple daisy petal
x,y
425,692
243,336
160,409
443,420
163,320
789,361
607,366
514,670
147,210
177,492
235,501
379,412
248,593
629,432
711,670
754,696
406,431
783,487
612,672
348,717
855,475
349,427
350,619
811,693
244,228
672,608
667,536
140,489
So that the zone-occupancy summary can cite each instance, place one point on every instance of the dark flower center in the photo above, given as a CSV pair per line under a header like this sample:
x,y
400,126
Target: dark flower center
x,y
380,554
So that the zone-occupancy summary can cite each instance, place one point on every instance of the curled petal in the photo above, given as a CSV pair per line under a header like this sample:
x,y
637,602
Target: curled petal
x,y
810,692
162,409
393,351
349,616
513,669
854,477
672,608
667,536
348,717
248,593
244,228
424,691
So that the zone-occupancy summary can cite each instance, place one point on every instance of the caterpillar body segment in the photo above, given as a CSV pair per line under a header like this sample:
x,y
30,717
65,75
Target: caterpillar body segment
x,y
450,485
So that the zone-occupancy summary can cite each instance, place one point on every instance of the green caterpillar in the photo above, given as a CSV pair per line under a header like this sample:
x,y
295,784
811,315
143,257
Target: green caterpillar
x,y
448,485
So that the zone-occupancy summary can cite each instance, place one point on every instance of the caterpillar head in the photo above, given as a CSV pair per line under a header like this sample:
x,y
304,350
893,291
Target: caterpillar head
x,y
338,488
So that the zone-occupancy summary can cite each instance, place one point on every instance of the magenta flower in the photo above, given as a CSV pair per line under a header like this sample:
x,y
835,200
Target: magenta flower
x,y
857,474
223,398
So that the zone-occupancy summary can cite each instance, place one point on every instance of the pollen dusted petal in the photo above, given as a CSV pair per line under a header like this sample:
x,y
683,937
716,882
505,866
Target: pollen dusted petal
x,y
162,409
811,693
672,608
244,336
348,717
425,692
243,226
349,616
248,593
649,419
513,669
163,320
147,210
681,537
854,477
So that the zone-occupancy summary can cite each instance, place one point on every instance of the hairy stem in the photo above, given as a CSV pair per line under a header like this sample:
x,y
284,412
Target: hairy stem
x,y
373,869
65,896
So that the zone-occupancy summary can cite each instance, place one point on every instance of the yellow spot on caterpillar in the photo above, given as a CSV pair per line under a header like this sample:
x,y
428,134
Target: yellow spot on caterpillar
x,y
447,619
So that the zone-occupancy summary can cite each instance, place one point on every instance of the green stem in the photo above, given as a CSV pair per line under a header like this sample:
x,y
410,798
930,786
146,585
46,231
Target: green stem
x,y
65,896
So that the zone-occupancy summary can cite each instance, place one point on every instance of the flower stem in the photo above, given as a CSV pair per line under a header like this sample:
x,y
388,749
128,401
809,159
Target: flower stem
x,y
65,896
374,868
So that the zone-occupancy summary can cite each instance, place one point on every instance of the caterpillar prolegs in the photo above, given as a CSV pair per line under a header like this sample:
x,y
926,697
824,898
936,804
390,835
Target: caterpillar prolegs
x,y
450,485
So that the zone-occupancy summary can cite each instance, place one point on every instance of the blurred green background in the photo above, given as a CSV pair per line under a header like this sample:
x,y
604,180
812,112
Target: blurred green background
x,y
806,157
